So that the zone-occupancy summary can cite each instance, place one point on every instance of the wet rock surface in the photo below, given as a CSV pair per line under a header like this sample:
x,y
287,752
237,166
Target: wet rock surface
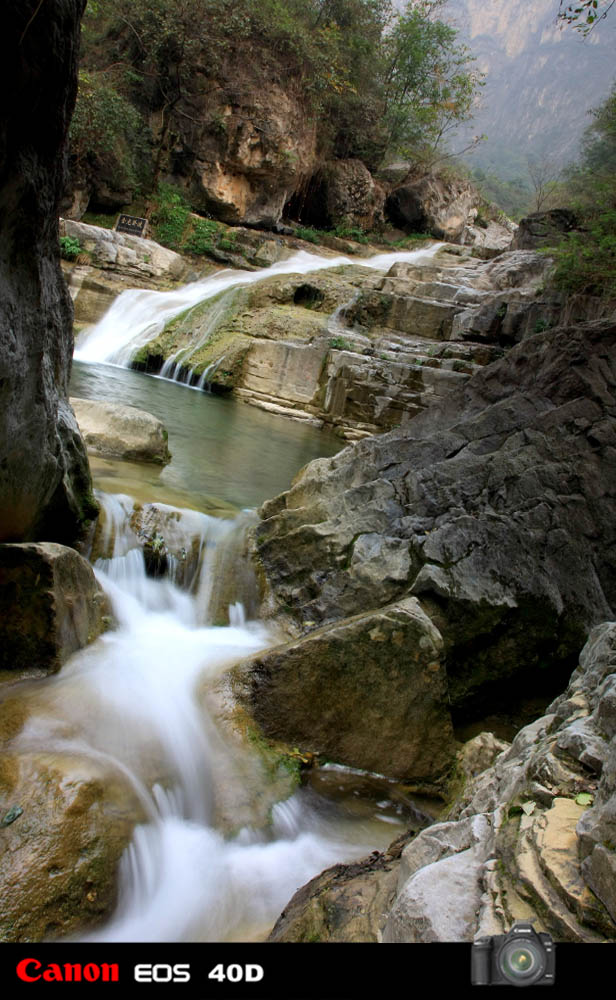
x,y
64,823
354,350
369,691
45,488
344,903
51,605
126,432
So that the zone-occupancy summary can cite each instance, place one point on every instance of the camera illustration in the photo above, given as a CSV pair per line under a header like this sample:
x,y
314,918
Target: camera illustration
x,y
520,958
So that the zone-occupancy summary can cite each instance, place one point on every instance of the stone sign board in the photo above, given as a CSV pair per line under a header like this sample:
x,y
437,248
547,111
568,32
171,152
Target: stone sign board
x,y
131,224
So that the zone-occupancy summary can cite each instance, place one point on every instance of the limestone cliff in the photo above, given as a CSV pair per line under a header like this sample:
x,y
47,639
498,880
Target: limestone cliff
x,y
541,80
44,475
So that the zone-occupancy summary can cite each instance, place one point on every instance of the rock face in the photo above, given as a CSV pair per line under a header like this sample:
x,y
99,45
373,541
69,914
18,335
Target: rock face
x,y
525,52
519,843
115,431
253,145
45,488
544,229
541,853
341,193
431,204
355,349
50,606
369,691
518,461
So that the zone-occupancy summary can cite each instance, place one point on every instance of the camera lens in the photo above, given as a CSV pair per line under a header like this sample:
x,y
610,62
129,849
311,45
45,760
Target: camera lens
x,y
522,962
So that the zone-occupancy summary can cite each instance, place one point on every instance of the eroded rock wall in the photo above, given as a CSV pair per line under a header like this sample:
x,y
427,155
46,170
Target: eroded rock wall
x,y
500,499
45,489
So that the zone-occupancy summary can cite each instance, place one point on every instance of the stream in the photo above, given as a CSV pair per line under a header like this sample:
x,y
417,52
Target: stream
x,y
138,699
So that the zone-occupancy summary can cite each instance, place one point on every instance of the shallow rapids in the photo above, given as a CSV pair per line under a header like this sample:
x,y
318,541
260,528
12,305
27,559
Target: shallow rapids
x,y
135,705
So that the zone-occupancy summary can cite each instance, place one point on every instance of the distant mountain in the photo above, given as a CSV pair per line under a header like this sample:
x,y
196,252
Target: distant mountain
x,y
541,80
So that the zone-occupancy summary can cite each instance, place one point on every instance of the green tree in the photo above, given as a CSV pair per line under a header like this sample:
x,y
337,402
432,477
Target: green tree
x,y
586,261
108,136
430,83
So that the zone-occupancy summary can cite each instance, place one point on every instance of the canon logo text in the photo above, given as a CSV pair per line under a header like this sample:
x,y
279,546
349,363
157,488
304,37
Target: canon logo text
x,y
30,970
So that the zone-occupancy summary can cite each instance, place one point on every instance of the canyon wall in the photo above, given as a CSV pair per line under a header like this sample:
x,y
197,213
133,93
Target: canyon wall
x,y
45,489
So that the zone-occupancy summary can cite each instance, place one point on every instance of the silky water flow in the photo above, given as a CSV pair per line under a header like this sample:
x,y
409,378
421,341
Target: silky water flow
x,y
137,694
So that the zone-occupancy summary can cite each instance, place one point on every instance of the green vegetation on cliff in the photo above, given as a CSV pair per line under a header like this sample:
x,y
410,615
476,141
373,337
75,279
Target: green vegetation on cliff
x,y
371,82
586,259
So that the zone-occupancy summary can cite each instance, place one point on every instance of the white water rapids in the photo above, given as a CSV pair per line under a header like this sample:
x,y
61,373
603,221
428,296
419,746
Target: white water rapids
x,y
133,703
137,696
138,316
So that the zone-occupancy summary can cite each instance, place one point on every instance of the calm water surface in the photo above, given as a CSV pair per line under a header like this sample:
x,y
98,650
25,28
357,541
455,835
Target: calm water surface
x,y
223,449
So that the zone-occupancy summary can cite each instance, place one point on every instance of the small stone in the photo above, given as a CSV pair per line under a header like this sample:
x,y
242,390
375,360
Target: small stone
x,y
14,813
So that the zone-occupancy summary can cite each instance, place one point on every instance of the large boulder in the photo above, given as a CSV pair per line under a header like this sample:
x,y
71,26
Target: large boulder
x,y
244,151
127,255
544,229
502,497
45,487
112,430
369,691
51,605
441,206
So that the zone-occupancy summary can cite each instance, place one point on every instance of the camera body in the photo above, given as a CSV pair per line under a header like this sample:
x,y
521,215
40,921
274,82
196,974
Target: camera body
x,y
520,958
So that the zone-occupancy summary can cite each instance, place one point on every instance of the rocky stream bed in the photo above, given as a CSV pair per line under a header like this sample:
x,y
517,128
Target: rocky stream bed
x,y
172,720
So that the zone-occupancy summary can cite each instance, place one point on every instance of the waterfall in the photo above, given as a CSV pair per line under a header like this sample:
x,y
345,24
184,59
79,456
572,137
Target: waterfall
x,y
134,701
138,316
183,596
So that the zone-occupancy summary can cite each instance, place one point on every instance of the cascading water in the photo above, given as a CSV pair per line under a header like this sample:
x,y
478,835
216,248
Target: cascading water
x,y
136,317
134,701
138,694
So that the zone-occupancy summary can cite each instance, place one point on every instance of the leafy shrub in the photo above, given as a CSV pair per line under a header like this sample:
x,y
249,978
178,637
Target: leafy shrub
x,y
108,136
202,238
585,260
169,217
70,248
308,234
340,344
351,233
